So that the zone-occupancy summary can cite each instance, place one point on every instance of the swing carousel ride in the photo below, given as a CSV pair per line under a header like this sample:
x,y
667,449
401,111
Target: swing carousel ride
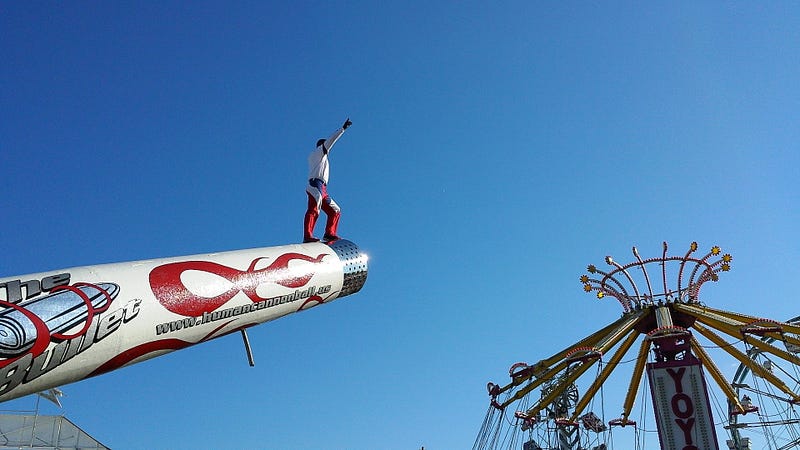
x,y
558,403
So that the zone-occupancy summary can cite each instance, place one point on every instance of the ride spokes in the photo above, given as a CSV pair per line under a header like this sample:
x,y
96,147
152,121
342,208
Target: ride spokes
x,y
665,339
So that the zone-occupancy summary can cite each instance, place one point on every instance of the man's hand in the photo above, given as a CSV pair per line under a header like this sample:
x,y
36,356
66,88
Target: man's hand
x,y
347,123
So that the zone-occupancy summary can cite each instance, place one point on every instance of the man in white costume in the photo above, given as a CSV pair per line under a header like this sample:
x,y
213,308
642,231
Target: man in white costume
x,y
317,189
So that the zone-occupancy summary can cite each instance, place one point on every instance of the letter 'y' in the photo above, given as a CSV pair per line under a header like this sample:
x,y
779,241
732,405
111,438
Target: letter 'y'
x,y
677,376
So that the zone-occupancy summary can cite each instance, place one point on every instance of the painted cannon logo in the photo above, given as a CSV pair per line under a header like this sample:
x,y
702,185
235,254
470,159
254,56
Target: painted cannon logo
x,y
169,288
67,316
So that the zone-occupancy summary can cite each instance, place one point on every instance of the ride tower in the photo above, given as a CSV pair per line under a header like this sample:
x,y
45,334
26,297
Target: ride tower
x,y
662,311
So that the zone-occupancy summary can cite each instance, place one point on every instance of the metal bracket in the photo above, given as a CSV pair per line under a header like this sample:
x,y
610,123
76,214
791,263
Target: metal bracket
x,y
248,349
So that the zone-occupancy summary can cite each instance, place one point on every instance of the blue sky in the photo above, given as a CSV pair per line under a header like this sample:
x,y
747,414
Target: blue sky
x,y
496,151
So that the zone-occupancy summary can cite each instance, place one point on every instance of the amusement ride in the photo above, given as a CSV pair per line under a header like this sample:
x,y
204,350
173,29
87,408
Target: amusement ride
x,y
560,402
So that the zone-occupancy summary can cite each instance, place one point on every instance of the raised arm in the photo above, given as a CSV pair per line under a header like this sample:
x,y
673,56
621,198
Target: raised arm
x,y
328,144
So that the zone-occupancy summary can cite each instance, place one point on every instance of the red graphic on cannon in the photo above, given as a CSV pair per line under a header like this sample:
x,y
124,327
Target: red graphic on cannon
x,y
167,286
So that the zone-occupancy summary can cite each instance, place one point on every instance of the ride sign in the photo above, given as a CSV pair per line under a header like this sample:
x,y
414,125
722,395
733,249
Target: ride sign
x,y
681,404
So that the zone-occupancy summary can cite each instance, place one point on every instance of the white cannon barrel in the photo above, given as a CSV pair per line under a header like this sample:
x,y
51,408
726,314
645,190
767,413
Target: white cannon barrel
x,y
112,315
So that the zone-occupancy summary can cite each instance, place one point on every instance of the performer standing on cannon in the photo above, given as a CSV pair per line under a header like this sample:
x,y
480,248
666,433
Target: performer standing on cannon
x,y
317,189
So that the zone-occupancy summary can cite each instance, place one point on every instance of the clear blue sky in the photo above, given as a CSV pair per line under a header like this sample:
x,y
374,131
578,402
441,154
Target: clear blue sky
x,y
496,151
